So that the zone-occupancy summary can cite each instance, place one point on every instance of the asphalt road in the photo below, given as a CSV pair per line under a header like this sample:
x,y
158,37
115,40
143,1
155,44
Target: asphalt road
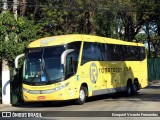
x,y
148,99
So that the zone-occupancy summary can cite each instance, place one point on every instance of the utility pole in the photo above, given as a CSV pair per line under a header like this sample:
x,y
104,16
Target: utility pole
x,y
148,39
6,99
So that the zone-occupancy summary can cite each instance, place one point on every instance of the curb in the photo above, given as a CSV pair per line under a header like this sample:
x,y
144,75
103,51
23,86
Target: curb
x,y
154,82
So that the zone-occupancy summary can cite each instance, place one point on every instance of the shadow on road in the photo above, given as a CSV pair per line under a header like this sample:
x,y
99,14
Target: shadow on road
x,y
45,104
151,93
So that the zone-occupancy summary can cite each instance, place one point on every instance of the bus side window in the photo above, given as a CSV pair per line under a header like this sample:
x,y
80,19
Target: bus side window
x,y
142,53
91,52
122,52
103,51
137,53
97,52
112,52
108,49
87,52
133,53
116,53
129,53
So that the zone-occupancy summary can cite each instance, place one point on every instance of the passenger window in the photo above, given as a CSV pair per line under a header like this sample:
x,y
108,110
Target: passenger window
x,y
111,52
142,53
91,52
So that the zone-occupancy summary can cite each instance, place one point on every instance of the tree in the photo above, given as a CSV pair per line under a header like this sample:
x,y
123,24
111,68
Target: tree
x,y
32,19
16,33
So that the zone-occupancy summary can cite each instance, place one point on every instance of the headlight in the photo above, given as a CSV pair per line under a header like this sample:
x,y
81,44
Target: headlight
x,y
25,90
45,91
60,87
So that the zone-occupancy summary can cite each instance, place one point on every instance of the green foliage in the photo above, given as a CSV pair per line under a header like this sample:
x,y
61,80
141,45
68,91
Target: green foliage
x,y
140,37
121,19
15,35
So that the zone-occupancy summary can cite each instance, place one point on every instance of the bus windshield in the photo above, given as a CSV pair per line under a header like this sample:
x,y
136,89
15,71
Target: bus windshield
x,y
43,66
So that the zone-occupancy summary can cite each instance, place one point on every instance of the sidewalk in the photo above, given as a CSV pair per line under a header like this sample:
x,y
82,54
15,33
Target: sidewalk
x,y
0,101
1,105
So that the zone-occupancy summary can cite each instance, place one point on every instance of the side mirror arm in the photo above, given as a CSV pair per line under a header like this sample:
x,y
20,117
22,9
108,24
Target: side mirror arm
x,y
63,57
64,54
16,60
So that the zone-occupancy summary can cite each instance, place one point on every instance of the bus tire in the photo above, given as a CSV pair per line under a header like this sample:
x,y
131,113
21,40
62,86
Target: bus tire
x,y
129,89
82,96
135,87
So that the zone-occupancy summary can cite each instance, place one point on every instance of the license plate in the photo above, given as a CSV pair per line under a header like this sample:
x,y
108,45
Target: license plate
x,y
41,97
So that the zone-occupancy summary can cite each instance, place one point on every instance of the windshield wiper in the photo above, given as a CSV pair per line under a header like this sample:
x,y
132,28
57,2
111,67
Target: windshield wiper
x,y
48,78
44,69
34,77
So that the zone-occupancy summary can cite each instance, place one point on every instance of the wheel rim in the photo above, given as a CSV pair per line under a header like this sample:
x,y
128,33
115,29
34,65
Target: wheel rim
x,y
82,95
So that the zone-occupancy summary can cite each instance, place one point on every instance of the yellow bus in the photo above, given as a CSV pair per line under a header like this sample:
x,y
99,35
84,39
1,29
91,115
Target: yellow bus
x,y
78,66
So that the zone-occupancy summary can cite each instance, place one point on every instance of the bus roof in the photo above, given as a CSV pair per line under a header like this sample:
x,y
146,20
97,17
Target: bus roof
x,y
64,39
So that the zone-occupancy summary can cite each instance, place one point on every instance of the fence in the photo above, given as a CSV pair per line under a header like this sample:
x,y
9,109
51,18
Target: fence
x,y
153,69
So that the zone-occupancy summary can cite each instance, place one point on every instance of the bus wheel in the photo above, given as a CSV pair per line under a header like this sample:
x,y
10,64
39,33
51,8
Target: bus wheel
x,y
82,96
135,88
129,89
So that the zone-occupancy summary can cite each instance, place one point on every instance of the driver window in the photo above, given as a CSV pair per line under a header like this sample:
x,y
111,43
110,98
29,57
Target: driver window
x,y
71,64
